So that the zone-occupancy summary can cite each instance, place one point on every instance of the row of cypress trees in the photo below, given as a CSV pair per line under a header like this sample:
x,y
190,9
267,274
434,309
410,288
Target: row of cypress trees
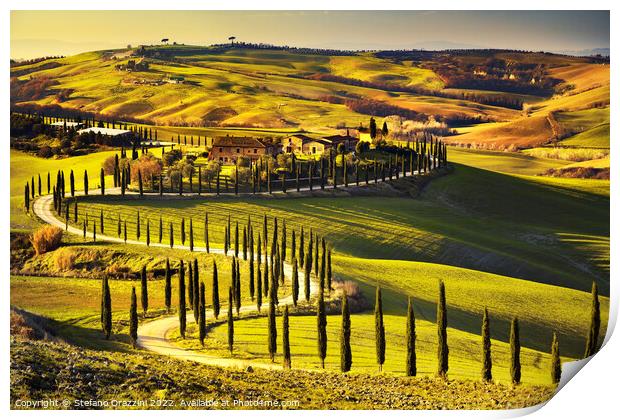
x,y
198,304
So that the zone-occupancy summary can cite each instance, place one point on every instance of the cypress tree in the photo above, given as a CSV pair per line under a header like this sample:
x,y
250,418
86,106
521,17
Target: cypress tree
x,y
161,229
168,286
84,229
345,336
27,197
556,364
106,309
595,324
85,183
252,279
258,250
321,320
266,279
123,183
171,233
487,363
230,321
295,283
144,295
202,323
72,183
138,225
102,181
183,231
259,288
206,232
191,235
140,188
316,255
307,280
133,319
215,293
236,239
148,232
94,232
233,277
515,352
182,313
100,219
379,330
286,347
411,368
125,230
442,333
118,226
322,270
245,244
49,184
225,240
272,331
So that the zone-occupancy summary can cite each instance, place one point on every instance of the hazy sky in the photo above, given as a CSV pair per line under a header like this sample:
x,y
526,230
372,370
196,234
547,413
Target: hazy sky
x,y
37,33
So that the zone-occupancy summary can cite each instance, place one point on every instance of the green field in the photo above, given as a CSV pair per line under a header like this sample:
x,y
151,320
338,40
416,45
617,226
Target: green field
x,y
240,88
597,137
24,166
251,343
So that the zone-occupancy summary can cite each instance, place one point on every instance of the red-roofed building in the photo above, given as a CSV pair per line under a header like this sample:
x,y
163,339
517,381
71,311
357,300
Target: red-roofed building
x,y
228,149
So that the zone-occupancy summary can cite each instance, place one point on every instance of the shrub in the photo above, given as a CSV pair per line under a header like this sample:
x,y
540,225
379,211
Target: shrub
x,y
64,259
46,239
148,166
118,271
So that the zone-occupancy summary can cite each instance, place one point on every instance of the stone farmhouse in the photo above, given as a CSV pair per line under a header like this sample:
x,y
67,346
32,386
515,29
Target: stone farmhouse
x,y
227,149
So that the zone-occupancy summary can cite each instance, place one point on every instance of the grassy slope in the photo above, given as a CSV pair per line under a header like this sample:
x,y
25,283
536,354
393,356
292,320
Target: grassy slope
x,y
39,371
24,166
597,137
549,243
251,342
256,85
522,132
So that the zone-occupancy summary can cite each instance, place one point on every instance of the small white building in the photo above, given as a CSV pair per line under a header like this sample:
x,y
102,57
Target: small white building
x,y
105,131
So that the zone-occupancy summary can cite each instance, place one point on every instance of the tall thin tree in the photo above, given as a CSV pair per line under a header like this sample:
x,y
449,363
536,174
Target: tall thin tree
x,y
442,333
321,320
487,363
595,324
515,352
379,329
133,319
345,336
286,347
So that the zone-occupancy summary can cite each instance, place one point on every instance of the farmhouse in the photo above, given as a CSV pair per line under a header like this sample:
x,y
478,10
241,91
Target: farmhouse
x,y
302,144
348,141
228,149
306,145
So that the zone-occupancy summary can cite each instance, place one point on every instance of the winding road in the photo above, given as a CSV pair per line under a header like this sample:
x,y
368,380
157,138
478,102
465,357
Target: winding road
x,y
153,335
